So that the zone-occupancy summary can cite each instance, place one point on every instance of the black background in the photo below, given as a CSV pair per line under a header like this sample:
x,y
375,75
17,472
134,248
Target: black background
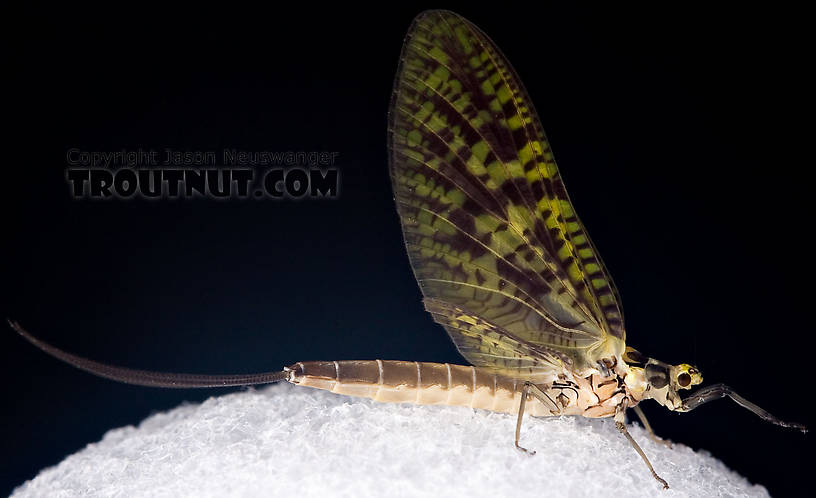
x,y
679,135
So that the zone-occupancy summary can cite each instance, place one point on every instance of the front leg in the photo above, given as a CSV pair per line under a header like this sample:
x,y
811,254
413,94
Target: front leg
x,y
620,423
718,391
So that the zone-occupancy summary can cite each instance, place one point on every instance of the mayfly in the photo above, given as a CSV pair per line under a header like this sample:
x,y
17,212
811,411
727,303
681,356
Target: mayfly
x,y
503,261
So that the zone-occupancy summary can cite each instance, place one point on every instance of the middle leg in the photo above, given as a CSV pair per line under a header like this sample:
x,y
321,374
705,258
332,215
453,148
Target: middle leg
x,y
530,388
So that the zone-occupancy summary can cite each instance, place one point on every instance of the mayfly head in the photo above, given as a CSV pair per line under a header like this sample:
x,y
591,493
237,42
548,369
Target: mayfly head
x,y
653,379
685,376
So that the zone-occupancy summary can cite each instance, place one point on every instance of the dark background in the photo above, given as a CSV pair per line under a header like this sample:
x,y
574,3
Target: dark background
x,y
679,135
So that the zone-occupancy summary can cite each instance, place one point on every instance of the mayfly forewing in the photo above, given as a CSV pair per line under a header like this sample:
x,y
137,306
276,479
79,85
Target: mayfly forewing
x,y
487,222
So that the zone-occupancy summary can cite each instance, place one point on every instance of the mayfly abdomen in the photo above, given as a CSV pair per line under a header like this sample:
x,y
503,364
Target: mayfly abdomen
x,y
416,382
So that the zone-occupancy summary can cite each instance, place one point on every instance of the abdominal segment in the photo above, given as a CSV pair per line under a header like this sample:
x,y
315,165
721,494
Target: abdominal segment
x,y
457,385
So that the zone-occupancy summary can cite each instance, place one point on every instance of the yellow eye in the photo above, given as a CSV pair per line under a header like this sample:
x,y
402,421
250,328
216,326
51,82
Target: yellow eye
x,y
684,379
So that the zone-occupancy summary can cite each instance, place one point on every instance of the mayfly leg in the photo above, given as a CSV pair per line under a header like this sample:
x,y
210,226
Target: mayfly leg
x,y
649,430
718,391
620,423
529,388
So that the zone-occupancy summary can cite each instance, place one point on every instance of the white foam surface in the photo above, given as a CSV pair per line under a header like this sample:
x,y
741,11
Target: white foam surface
x,y
291,441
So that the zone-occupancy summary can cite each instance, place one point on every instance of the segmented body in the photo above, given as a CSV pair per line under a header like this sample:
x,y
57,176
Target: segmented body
x,y
458,385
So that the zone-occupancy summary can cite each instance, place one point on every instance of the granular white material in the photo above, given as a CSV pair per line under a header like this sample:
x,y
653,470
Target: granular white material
x,y
284,440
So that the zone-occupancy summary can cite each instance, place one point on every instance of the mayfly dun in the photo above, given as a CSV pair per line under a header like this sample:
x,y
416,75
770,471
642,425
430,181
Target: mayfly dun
x,y
503,261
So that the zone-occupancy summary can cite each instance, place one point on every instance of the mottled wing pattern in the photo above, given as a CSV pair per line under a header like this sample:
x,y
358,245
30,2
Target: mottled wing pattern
x,y
488,345
486,219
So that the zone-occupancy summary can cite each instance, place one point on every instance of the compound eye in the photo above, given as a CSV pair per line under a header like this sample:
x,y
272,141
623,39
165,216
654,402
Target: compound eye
x,y
684,379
